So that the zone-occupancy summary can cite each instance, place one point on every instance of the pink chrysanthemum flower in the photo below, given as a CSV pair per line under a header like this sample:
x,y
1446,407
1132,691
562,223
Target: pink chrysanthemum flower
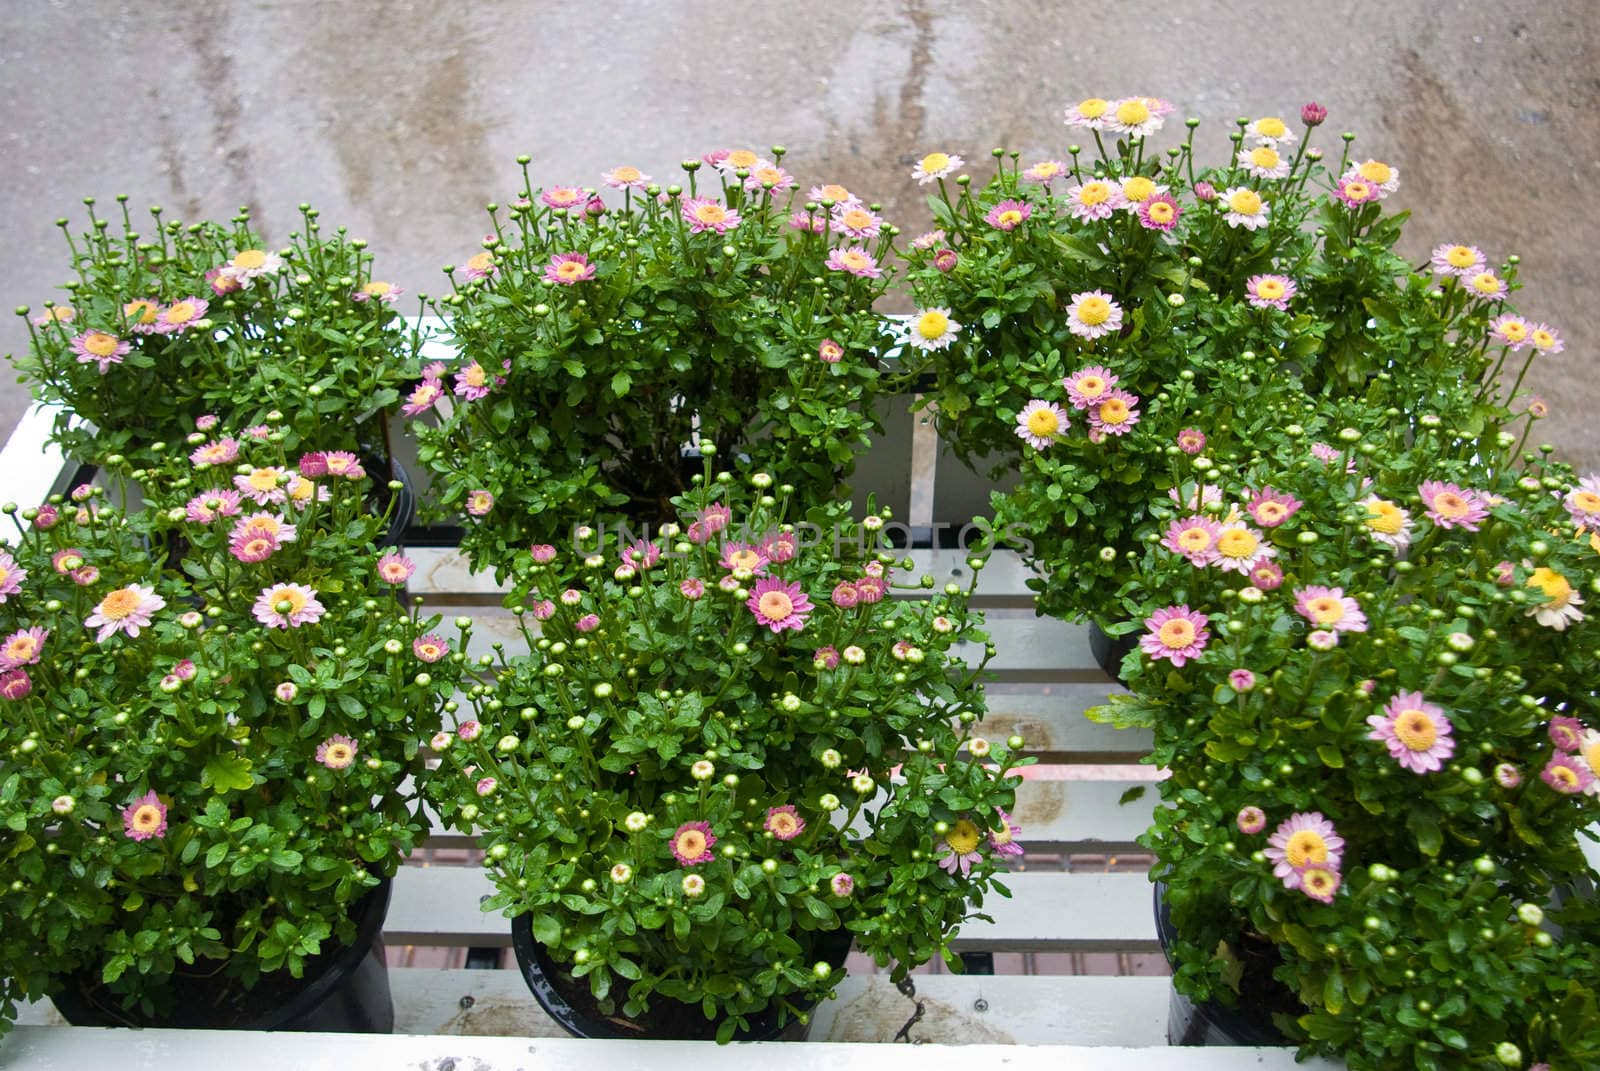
x,y
1204,192
1045,172
1094,200
743,556
1303,840
935,165
377,290
1196,497
692,843
568,269
1271,508
780,547
1268,576
587,623
1546,339
100,347
831,191
1092,314
1329,608
423,396
1559,607
1245,208
430,648
287,606
1416,732
1137,117
472,383
264,523
641,554
66,560
811,223
705,214
55,314
1240,549
1567,774
1450,506
1241,680
625,178
180,316
1177,634
1115,414
1353,191
1566,733
692,588
250,264
47,517
337,752
960,845
480,502
1264,162
221,283
1506,775
1040,422
395,568
1250,819
1088,386
85,576
716,518
1191,441
1511,331
1583,502
945,260
1008,215
1270,291
302,492
1387,523
221,452
783,823
841,884
825,657
1486,284
125,610
479,266
855,221
262,486
871,589
1159,212
22,647
1136,190
1003,837
252,546
1270,130
1319,882
563,197
140,313
769,178
779,606
145,818
855,260
1090,114
1589,753
1461,261
15,685
845,595
1383,177
1195,538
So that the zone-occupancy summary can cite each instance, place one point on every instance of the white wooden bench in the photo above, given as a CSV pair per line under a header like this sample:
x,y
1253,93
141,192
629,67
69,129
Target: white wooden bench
x,y
1069,897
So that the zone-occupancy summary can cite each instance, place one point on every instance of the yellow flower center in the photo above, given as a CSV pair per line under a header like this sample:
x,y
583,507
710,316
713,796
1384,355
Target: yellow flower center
x,y
147,819
480,261
627,174
1415,730
100,344
258,545
119,604
1305,846
338,755
1357,191
776,606
856,218
182,312
570,269
1515,330
1326,610
430,651
1161,212
1271,127
263,479
140,311
1245,202
742,158
279,596
476,376
1591,754
1319,881
1093,108
963,837
267,523
249,259
1553,585
691,844
1271,512
745,559
1138,188
1194,539
1046,169
21,648
1375,172
1091,386
1094,311
1265,157
1543,339
1043,422
1586,501
1485,282
1113,411
1565,775
835,192
1132,113
935,161
1451,505
1237,543
1177,633
301,490
1384,517
377,288
62,314
767,174
1010,217
1461,256
933,324
1272,289
1094,193
5,574
710,213
783,823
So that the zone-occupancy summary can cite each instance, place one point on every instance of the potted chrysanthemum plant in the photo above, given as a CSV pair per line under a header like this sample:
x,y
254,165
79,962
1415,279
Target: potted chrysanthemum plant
x,y
731,751
1382,747
182,321
1063,299
204,775
602,334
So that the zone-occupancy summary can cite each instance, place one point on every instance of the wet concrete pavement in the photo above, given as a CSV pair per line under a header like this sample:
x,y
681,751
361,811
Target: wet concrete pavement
x,y
400,120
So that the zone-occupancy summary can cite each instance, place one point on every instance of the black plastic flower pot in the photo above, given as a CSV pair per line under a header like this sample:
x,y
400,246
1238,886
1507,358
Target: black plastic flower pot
x,y
404,498
343,990
1109,651
1209,1023
567,1001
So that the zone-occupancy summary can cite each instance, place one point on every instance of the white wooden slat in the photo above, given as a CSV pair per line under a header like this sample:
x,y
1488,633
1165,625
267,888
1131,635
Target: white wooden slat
x,y
31,467
1028,648
1048,912
60,1049
1052,725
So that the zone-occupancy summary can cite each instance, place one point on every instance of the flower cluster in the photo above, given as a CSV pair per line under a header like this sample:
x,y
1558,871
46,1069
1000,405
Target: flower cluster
x,y
751,723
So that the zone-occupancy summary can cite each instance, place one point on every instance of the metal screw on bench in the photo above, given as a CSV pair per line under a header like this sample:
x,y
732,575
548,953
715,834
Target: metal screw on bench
x,y
467,1002
980,1005
908,989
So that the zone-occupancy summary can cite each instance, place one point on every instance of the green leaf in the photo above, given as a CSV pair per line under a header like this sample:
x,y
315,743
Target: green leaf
x,y
546,930
215,855
226,773
620,383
